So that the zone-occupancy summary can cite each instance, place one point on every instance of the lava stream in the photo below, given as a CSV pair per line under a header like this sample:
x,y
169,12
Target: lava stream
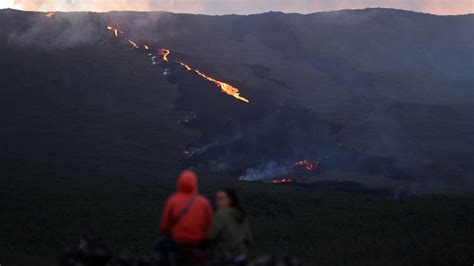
x,y
112,29
225,88
133,43
164,53
306,164
188,68
282,180
50,14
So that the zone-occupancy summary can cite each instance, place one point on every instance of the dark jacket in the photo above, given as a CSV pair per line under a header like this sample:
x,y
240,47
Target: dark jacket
x,y
193,226
230,231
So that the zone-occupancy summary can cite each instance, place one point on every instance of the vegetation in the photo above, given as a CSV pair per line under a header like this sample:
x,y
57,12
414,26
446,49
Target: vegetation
x,y
324,227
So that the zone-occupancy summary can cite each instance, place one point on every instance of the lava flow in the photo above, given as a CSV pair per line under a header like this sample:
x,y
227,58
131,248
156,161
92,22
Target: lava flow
x,y
295,169
164,53
283,180
50,14
225,88
306,164
188,68
115,31
133,43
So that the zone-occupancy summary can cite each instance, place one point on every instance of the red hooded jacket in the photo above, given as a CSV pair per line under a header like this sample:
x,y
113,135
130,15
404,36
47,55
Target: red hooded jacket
x,y
193,226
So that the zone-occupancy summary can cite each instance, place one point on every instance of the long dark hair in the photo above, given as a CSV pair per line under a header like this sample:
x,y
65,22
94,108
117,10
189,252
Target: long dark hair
x,y
234,201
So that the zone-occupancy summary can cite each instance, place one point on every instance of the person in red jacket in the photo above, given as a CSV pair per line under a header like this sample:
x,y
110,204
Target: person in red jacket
x,y
186,218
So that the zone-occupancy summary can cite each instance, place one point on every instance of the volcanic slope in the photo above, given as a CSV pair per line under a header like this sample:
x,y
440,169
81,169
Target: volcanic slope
x,y
88,132
397,84
90,140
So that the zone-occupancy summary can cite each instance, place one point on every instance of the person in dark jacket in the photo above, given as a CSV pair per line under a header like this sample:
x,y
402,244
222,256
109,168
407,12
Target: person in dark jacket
x,y
230,230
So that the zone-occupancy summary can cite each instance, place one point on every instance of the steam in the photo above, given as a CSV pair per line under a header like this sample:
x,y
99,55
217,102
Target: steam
x,y
441,7
264,171
64,32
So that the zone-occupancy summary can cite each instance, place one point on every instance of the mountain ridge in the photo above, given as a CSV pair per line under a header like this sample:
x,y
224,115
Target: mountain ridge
x,y
253,14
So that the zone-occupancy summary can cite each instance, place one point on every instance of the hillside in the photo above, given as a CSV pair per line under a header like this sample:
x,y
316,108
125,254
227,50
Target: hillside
x,y
93,134
396,84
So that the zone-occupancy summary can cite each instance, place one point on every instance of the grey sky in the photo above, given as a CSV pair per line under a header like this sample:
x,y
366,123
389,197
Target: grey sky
x,y
442,7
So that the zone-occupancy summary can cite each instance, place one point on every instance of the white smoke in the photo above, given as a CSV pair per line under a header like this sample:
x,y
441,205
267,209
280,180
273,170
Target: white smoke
x,y
60,32
264,172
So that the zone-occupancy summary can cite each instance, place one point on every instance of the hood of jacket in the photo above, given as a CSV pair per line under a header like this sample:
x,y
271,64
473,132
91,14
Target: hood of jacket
x,y
187,183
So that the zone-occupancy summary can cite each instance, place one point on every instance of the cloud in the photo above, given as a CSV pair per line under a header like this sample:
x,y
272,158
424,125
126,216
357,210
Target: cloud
x,y
442,7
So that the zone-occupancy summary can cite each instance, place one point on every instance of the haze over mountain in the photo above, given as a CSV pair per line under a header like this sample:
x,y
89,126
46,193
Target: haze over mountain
x,y
397,84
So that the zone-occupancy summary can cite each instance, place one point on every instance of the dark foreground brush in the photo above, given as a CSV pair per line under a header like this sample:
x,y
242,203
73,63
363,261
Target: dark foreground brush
x,y
91,251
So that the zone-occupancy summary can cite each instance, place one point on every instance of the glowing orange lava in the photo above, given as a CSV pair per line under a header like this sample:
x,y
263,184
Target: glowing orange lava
x,y
114,30
306,164
133,43
188,68
50,14
164,53
282,180
226,88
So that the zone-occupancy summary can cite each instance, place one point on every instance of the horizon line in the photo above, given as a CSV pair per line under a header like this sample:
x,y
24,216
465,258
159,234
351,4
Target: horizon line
x,y
236,14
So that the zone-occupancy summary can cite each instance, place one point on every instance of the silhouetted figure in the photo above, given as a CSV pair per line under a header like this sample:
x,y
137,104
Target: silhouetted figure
x,y
185,223
230,233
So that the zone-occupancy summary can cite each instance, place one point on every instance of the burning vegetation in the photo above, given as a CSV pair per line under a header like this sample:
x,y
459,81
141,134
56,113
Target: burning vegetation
x,y
165,53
